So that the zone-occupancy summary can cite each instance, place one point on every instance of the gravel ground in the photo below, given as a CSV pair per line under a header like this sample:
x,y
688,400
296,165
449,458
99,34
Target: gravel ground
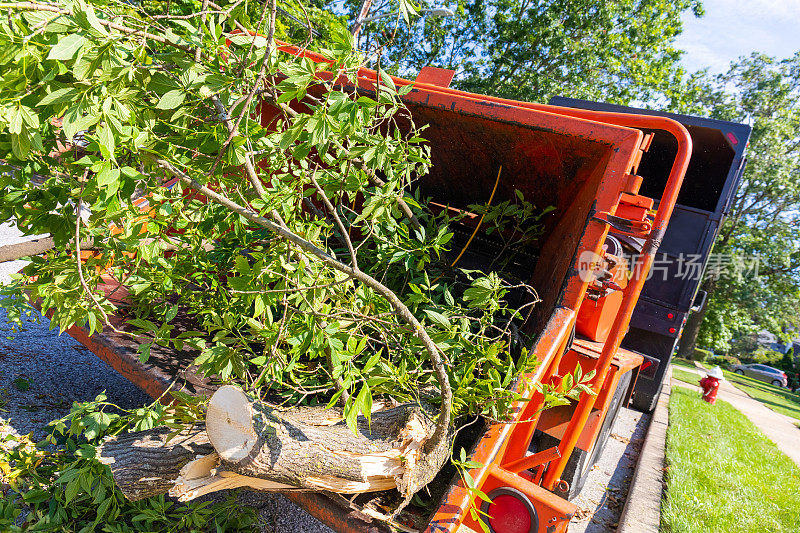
x,y
42,373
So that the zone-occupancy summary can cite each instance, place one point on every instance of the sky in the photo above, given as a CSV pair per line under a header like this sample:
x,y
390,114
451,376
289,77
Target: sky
x,y
730,29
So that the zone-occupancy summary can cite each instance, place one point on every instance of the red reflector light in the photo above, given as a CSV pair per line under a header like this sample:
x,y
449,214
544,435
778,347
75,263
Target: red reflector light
x,y
509,512
509,515
670,316
732,138
672,330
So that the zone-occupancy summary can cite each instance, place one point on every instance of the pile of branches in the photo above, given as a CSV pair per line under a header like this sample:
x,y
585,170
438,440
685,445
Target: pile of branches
x,y
279,216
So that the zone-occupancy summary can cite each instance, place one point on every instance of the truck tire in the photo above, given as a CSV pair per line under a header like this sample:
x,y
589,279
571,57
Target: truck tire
x,y
644,402
581,461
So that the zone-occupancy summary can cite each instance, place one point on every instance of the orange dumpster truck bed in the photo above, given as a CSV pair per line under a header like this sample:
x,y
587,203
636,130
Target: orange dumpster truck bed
x,y
583,164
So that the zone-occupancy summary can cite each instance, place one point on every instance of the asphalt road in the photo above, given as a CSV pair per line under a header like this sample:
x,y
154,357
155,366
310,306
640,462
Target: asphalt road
x,y
42,373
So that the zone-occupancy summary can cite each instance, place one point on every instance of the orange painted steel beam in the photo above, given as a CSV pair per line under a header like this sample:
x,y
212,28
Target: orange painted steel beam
x,y
532,461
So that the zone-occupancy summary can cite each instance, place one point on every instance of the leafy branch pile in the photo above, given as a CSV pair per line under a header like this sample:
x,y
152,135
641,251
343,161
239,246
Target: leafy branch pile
x,y
57,485
278,214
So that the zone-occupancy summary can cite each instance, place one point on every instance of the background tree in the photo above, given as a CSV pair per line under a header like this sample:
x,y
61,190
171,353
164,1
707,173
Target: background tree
x,y
765,213
615,51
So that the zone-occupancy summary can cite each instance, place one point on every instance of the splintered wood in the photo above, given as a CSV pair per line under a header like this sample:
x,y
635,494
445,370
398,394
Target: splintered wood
x,y
248,443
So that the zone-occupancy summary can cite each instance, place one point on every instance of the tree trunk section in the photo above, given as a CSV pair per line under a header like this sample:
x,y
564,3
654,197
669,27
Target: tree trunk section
x,y
248,443
145,464
12,252
309,449
691,330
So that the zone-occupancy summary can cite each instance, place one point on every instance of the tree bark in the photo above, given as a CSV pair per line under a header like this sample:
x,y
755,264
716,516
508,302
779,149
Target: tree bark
x,y
691,330
12,252
144,464
20,250
306,448
248,443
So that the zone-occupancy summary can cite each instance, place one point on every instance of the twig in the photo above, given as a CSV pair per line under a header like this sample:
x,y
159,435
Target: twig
x,y
335,215
253,41
204,19
35,6
233,128
404,207
85,286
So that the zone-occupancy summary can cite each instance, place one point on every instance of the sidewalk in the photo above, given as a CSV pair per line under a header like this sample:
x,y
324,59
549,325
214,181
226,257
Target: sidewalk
x,y
779,428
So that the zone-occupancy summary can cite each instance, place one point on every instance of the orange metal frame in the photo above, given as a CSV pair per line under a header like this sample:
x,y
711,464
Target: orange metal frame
x,y
509,443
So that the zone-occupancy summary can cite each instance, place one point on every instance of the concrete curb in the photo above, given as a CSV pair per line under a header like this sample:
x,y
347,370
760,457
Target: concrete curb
x,y
642,511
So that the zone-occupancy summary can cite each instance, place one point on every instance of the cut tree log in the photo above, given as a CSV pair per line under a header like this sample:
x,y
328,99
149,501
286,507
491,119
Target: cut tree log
x,y
256,445
12,252
145,464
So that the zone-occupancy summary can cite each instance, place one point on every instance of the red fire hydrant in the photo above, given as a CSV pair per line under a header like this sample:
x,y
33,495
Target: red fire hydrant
x,y
710,385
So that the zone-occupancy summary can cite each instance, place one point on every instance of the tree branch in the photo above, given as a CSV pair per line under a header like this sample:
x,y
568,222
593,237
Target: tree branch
x,y
335,215
35,6
445,410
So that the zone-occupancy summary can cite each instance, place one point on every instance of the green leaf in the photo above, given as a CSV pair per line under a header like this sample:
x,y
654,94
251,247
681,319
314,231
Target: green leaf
x,y
65,94
469,481
67,47
94,22
171,99
102,509
259,306
28,116
351,418
144,351
20,145
71,490
364,402
107,176
105,138
75,121
171,313
36,496
566,382
245,40
92,323
387,80
438,318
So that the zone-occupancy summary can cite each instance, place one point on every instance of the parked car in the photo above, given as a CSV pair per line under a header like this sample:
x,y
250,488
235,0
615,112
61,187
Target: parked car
x,y
762,373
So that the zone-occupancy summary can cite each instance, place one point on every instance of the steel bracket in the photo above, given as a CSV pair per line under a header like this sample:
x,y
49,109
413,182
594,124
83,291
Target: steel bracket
x,y
634,228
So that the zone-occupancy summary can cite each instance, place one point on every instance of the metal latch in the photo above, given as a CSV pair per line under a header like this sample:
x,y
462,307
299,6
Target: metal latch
x,y
634,228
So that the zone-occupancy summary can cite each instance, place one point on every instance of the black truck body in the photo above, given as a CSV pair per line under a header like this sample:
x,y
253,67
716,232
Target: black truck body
x,y
708,189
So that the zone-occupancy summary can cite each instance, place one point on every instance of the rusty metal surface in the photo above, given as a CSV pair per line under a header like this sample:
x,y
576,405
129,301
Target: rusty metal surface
x,y
435,76
165,369
330,510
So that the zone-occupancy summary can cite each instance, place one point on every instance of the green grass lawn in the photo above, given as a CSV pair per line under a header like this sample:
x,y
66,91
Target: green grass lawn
x,y
677,361
776,398
683,375
723,474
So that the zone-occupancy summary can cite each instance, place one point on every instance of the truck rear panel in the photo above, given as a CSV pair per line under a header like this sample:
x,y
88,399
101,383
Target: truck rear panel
x,y
711,181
